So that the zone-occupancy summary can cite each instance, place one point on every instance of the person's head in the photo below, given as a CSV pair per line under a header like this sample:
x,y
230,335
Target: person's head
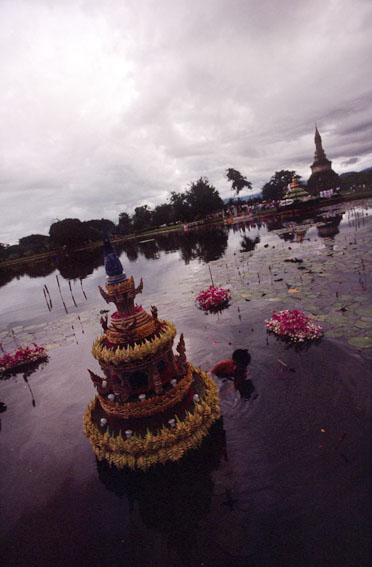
x,y
241,357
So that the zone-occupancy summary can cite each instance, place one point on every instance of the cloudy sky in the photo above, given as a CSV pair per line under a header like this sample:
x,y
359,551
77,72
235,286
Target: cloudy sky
x,y
108,105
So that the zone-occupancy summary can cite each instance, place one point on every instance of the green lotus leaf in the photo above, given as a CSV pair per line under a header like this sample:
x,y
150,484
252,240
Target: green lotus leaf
x,y
363,324
337,319
334,333
360,342
364,311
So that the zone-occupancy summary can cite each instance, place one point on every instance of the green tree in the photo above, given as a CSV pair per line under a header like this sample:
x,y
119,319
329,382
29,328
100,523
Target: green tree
x,y
35,243
162,214
238,181
203,198
71,232
100,226
180,207
125,224
142,218
3,248
14,251
277,186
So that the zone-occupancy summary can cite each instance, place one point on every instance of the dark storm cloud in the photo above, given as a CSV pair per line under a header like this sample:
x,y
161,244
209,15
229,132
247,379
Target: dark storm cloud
x,y
109,105
350,161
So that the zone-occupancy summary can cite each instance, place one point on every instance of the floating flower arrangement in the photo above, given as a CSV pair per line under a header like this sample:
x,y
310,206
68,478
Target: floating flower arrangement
x,y
294,325
22,357
213,299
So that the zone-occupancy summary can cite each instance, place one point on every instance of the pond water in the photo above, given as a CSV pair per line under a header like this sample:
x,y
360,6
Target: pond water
x,y
284,479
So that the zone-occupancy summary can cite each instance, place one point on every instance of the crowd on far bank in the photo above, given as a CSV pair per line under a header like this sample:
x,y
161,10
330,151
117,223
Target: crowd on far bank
x,y
244,208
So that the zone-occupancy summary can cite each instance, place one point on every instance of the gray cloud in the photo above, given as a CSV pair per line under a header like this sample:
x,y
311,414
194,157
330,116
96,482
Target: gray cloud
x,y
108,105
350,161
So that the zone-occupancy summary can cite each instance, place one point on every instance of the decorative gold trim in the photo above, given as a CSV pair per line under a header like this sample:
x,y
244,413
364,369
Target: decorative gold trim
x,y
116,335
151,406
126,354
122,287
166,444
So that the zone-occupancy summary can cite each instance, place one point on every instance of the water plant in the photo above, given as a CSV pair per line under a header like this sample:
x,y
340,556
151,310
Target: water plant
x,y
294,325
213,298
21,357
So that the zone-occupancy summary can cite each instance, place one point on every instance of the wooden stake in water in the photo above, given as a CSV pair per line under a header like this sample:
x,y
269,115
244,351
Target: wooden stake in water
x,y
29,387
211,275
82,327
82,289
75,337
46,299
14,337
60,293
73,298
50,299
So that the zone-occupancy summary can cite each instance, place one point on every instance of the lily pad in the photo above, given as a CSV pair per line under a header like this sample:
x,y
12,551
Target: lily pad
x,y
335,333
364,311
311,307
318,317
337,319
363,324
360,342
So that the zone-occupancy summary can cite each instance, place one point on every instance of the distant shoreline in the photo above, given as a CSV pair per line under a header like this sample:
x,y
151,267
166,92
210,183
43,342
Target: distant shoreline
x,y
153,232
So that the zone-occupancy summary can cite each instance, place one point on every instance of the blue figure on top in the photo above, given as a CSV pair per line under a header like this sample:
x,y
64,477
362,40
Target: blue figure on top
x,y
113,266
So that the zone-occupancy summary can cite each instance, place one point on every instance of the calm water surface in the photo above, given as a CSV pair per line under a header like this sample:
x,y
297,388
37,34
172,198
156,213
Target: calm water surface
x,y
283,480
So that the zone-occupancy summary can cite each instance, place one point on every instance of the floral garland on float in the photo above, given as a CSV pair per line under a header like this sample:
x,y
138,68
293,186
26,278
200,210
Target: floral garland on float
x,y
22,357
138,451
151,405
293,325
213,299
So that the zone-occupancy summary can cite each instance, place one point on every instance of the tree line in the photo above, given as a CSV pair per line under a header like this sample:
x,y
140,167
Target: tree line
x,y
196,202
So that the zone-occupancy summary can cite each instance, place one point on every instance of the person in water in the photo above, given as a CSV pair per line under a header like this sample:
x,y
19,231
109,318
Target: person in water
x,y
236,368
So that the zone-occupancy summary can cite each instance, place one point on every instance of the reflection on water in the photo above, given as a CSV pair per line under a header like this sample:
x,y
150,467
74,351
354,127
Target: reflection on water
x,y
26,372
205,244
174,498
248,244
290,474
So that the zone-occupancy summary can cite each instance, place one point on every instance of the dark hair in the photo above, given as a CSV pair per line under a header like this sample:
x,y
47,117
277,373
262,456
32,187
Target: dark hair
x,y
241,356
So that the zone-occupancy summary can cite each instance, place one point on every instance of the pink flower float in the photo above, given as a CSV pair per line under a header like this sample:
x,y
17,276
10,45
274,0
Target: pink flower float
x,y
23,356
213,299
294,325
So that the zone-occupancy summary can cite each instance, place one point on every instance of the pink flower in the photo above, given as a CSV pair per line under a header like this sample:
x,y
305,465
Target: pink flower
x,y
213,297
22,356
294,325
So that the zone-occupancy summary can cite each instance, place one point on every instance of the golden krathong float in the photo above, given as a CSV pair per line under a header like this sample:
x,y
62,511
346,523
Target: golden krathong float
x,y
151,406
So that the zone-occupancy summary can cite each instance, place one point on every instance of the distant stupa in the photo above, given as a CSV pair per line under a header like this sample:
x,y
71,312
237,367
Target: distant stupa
x,y
322,177
296,192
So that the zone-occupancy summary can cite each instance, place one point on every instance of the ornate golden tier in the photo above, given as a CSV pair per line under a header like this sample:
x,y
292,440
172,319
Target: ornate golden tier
x,y
132,354
131,328
169,443
151,406
160,403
